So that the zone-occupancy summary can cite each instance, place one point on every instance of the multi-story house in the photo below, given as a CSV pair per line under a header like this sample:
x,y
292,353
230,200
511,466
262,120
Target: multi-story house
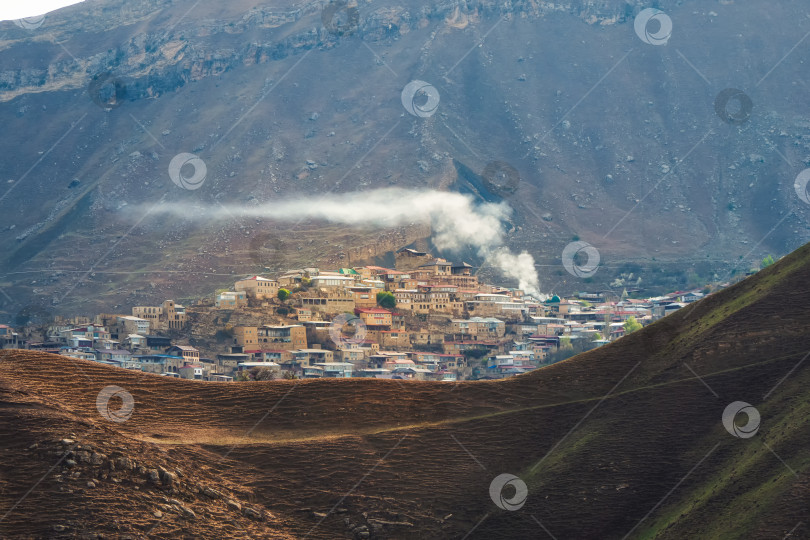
x,y
188,353
496,305
376,360
158,363
435,269
337,370
424,336
332,280
330,304
391,339
85,336
199,372
311,357
439,297
168,316
364,296
278,356
128,324
405,298
375,318
462,277
478,328
428,360
351,353
246,336
134,342
258,287
283,337
113,356
158,344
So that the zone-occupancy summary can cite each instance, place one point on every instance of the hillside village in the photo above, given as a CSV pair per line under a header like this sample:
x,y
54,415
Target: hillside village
x,y
427,319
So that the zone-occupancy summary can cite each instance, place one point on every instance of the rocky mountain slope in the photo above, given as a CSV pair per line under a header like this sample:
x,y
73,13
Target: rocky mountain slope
x,y
615,141
694,427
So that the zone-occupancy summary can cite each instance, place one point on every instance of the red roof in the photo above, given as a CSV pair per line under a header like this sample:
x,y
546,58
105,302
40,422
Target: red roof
x,y
372,310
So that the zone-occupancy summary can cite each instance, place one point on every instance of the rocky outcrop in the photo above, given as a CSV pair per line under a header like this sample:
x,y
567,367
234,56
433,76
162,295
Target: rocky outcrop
x,y
159,61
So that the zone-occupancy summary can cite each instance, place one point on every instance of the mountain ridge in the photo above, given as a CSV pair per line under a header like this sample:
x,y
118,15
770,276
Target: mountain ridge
x,y
598,125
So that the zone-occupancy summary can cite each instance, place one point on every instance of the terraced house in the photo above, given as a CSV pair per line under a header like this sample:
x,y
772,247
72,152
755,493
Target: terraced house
x,y
375,318
438,298
478,328
257,287
168,316
282,337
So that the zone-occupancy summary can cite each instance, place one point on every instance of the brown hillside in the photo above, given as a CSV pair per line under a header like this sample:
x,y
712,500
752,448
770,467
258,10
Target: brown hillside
x,y
623,441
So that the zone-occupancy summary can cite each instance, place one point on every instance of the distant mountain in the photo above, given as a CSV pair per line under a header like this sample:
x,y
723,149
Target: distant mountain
x,y
614,140
694,427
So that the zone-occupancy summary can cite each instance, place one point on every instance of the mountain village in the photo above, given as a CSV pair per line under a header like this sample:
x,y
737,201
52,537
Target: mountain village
x,y
428,319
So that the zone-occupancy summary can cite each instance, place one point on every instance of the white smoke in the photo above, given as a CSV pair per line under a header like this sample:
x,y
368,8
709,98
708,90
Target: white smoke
x,y
456,220
519,267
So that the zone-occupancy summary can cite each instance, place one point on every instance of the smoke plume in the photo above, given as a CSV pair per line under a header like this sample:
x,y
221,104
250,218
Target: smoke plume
x,y
456,220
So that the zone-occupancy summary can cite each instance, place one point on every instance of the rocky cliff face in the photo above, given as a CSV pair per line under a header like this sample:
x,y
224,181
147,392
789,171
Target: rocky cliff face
x,y
613,140
162,60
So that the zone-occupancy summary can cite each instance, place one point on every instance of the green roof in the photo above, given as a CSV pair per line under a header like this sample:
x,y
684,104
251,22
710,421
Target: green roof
x,y
348,271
